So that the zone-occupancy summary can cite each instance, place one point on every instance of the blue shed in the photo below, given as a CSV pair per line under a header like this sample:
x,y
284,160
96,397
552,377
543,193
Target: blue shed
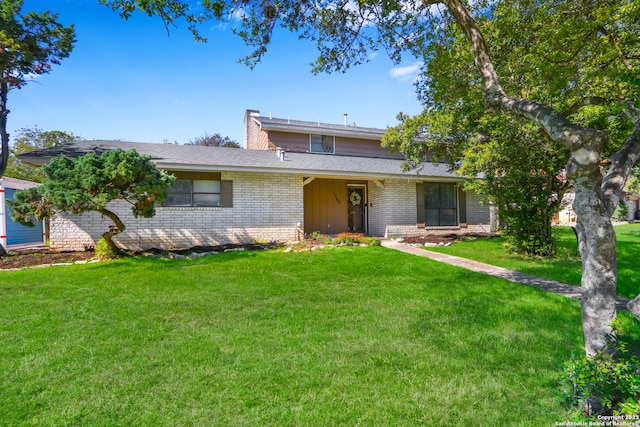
x,y
13,233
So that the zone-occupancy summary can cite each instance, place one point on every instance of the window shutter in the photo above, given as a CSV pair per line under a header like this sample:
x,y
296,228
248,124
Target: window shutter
x,y
462,208
226,194
420,204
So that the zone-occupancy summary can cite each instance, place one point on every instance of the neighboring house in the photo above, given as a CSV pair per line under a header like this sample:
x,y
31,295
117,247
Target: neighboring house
x,y
566,214
293,178
632,202
13,234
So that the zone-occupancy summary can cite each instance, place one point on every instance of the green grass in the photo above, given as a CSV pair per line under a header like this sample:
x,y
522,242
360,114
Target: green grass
x,y
566,265
340,336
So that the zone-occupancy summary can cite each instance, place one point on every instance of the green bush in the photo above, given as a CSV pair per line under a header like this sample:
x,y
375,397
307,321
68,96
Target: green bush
x,y
620,213
605,384
345,239
370,241
104,251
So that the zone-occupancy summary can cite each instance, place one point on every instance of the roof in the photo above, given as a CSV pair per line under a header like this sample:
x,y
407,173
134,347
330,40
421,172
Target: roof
x,y
299,126
204,158
17,184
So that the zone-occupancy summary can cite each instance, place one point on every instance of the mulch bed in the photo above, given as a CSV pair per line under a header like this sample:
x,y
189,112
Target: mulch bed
x,y
446,238
25,258
29,257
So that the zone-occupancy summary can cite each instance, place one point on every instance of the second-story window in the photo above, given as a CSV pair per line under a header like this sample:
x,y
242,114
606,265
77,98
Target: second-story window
x,y
322,144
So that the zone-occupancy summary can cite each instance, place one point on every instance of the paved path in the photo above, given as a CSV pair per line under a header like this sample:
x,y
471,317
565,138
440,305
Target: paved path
x,y
569,291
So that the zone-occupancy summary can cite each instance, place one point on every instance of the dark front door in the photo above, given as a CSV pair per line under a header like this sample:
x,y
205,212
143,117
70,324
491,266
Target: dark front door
x,y
356,209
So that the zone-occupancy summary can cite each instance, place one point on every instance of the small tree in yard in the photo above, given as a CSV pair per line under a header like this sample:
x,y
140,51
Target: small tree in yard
x,y
89,182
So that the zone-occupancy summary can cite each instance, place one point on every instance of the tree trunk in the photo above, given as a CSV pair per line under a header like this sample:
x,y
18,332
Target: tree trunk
x,y
114,230
597,246
595,199
4,136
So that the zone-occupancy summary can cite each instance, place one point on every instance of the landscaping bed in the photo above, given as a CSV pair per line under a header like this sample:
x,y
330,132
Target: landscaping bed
x,y
31,257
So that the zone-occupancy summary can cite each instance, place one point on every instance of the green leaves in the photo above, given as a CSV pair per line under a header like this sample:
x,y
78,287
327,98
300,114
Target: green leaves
x,y
609,378
29,207
90,182
31,43
31,140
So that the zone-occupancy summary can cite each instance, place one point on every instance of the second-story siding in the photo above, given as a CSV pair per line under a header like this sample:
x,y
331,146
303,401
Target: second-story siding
x,y
300,142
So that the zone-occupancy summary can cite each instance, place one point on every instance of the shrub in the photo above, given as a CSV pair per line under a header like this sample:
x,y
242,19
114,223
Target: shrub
x,y
605,384
369,241
620,213
345,238
104,251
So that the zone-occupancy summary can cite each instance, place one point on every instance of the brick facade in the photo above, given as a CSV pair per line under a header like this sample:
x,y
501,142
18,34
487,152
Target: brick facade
x,y
265,207
393,211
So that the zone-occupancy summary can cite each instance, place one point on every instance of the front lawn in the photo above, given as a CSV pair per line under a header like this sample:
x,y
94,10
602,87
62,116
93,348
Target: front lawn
x,y
339,336
566,265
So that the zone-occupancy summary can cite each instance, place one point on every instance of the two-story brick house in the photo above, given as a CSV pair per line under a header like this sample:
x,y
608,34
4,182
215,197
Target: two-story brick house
x,y
293,178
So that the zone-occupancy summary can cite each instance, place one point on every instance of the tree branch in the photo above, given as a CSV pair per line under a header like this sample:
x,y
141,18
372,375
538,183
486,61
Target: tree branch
x,y
583,102
554,124
622,162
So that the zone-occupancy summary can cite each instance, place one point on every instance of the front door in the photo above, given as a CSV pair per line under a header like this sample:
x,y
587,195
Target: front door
x,y
356,209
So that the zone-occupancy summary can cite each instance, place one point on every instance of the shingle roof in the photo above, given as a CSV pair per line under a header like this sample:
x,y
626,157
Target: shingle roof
x,y
299,126
204,158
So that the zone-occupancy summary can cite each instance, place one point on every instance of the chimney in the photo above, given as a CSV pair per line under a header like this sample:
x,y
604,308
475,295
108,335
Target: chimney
x,y
250,128
345,118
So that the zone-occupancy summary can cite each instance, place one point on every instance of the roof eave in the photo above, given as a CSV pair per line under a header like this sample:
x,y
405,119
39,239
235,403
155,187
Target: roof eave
x,y
34,160
307,172
346,132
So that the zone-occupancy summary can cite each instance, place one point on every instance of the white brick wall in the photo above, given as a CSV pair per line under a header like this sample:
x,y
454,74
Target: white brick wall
x,y
476,212
393,212
392,206
265,207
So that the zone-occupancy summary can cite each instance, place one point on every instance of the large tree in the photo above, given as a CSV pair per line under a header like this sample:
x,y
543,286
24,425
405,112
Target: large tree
x,y
601,35
31,139
588,48
29,45
89,183
520,165
507,161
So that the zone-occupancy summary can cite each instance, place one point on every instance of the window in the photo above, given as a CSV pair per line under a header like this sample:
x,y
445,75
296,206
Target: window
x,y
199,190
196,192
440,205
322,144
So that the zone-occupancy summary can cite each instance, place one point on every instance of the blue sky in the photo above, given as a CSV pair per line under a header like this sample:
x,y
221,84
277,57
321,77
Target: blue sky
x,y
129,80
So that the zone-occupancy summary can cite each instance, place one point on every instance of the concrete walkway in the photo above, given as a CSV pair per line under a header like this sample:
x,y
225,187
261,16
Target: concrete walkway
x,y
569,291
